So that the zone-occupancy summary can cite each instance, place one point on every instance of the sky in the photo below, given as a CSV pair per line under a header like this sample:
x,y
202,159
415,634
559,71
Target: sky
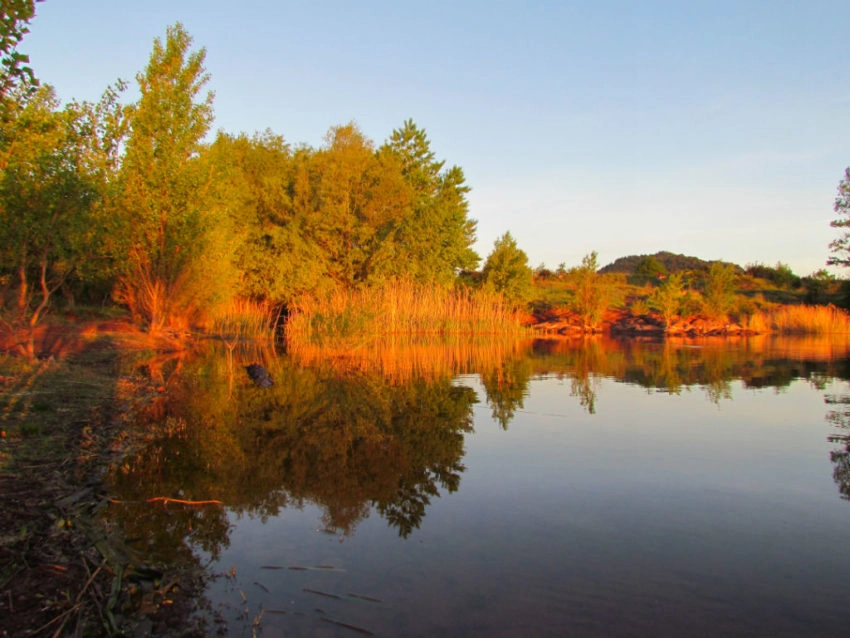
x,y
710,128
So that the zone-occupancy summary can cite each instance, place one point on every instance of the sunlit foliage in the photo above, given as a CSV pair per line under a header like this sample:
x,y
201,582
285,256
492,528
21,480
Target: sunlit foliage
x,y
506,271
177,240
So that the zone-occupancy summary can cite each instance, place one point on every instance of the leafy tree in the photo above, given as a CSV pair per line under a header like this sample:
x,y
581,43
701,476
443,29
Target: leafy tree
x,y
668,298
46,195
435,242
14,66
177,244
719,290
594,293
840,247
506,270
356,207
277,261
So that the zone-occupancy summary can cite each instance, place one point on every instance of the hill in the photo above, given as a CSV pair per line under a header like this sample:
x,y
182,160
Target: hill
x,y
671,261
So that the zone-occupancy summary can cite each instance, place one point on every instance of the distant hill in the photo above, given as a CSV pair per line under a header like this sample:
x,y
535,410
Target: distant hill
x,y
671,261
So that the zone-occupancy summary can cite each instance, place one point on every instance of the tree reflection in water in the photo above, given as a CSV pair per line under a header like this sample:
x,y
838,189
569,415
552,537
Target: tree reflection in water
x,y
348,442
839,416
352,438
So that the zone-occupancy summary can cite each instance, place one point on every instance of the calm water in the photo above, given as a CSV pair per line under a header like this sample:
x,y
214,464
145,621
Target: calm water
x,y
548,489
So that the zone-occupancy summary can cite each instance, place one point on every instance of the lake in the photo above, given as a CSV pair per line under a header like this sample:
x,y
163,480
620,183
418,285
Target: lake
x,y
547,488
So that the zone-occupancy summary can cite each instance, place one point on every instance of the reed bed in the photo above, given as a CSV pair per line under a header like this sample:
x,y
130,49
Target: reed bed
x,y
813,320
400,307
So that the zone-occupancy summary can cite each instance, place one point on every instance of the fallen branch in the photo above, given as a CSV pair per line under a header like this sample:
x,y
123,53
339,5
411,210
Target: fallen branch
x,y
167,499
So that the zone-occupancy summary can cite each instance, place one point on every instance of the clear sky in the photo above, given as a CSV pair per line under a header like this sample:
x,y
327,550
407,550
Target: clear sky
x,y
717,129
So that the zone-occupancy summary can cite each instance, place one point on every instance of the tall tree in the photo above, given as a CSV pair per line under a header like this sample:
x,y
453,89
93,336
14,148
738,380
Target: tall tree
x,y
840,248
506,270
176,253
436,240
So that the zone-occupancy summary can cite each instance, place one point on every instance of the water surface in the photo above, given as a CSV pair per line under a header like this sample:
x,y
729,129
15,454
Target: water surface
x,y
550,488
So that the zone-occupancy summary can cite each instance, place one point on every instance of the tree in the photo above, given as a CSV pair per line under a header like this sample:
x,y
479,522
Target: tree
x,y
593,293
14,66
668,298
435,242
357,206
719,290
45,199
177,245
506,271
841,247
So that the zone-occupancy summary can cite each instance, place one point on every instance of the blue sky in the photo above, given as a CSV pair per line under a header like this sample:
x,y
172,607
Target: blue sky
x,y
715,129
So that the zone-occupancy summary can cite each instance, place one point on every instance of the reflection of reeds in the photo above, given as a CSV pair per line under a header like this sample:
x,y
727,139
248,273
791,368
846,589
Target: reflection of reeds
x,y
243,319
400,307
406,357
819,320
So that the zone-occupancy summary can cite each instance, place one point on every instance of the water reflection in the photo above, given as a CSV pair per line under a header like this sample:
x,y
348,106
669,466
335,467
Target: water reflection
x,y
381,431
346,442
839,417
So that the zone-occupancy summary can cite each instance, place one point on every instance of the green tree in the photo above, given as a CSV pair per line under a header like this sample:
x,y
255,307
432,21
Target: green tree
x,y
15,15
435,241
177,242
46,195
277,261
593,293
719,290
840,248
668,298
506,271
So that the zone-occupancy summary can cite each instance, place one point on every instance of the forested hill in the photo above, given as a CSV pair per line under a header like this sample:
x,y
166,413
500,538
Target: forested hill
x,y
671,261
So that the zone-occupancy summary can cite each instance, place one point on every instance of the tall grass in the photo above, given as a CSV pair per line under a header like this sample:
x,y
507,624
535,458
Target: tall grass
x,y
818,320
400,307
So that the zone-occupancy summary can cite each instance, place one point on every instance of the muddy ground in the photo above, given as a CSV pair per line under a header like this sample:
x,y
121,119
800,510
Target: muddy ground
x,y
65,416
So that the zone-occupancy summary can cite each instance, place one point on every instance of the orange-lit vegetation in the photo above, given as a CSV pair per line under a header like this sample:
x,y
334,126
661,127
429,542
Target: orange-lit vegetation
x,y
131,206
402,358
401,307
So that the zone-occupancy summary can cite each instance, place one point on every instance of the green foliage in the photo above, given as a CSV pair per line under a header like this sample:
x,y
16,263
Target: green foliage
x,y
177,240
648,269
15,72
594,293
668,299
507,272
840,247
781,275
47,189
435,241
719,290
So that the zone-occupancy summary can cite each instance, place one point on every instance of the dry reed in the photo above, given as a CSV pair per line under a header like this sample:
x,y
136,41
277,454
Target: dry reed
x,y
814,320
400,307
